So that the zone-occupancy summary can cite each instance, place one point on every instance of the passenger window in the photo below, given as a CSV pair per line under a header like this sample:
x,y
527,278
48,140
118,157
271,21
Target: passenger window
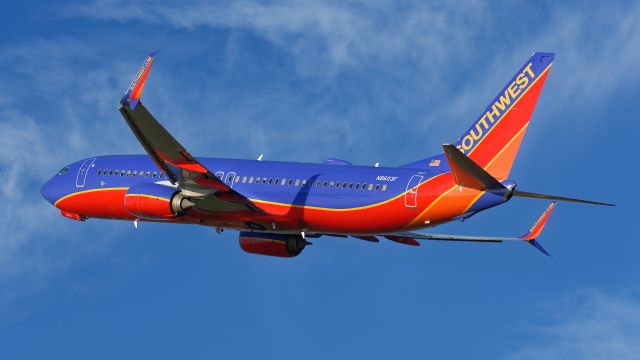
x,y
377,187
297,182
357,186
331,184
154,174
148,174
350,185
270,181
251,180
135,172
290,182
384,187
325,183
244,179
99,172
264,180
283,181
370,187
344,185
364,186
128,172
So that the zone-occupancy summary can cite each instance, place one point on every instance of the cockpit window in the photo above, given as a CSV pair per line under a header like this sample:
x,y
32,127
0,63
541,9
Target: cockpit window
x,y
63,170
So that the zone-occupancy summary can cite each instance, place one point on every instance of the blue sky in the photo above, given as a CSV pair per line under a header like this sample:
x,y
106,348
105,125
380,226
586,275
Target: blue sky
x,y
380,81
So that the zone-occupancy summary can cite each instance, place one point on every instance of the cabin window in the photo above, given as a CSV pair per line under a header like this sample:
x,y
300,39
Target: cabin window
x,y
290,182
384,187
364,186
370,187
141,174
270,181
297,182
331,184
135,172
377,187
251,180
128,172
100,172
325,183
148,173
121,172
350,185
154,174
344,185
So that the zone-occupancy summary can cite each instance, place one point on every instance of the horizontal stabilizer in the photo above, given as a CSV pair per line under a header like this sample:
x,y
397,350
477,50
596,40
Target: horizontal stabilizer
x,y
556,198
467,173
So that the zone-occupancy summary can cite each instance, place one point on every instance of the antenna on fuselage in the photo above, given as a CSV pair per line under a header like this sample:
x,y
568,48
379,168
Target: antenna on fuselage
x,y
260,157
377,164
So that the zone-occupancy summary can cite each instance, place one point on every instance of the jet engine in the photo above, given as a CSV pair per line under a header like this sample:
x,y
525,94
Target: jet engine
x,y
282,245
156,202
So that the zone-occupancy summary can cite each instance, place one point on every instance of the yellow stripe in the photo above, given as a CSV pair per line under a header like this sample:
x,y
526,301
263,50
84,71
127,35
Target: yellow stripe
x,y
476,146
346,209
507,145
512,106
87,191
433,203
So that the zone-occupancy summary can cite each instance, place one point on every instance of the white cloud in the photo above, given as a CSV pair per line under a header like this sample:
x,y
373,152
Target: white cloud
x,y
587,325
44,122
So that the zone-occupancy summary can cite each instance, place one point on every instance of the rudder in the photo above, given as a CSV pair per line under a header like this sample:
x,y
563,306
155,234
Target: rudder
x,y
494,139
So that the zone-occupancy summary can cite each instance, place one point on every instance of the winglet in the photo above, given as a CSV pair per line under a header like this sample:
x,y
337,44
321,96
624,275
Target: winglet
x,y
132,97
536,229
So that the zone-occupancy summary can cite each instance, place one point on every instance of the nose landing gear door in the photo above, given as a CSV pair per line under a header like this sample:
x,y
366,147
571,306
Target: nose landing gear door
x,y
411,196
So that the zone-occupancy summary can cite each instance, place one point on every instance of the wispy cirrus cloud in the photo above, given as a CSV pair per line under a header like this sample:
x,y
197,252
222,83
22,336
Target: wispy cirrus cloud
x,y
416,48
589,324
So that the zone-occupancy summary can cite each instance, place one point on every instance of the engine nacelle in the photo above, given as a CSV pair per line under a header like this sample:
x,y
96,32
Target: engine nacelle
x,y
282,245
155,202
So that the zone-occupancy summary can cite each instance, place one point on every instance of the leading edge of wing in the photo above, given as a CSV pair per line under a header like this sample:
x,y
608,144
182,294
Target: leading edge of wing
x,y
529,237
167,153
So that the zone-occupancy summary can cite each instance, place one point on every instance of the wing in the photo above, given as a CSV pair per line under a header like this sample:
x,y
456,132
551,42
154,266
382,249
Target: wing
x,y
173,159
410,237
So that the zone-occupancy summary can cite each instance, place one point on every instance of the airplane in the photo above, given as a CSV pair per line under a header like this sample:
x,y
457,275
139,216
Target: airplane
x,y
277,207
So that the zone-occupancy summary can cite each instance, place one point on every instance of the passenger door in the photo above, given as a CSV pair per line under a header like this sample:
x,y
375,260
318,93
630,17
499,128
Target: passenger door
x,y
411,196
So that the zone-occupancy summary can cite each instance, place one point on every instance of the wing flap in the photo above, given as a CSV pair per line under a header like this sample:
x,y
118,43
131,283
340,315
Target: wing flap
x,y
170,156
529,237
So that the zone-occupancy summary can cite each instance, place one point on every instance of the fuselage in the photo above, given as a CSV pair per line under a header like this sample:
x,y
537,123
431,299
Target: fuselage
x,y
331,198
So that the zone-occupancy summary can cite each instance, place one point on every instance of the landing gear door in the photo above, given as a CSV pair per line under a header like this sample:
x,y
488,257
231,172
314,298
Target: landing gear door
x,y
411,196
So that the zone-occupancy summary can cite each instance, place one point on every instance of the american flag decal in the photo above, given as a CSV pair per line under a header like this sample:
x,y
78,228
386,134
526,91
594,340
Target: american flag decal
x,y
434,162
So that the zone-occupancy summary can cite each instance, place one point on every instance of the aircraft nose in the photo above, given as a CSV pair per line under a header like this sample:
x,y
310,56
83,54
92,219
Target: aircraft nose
x,y
48,192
